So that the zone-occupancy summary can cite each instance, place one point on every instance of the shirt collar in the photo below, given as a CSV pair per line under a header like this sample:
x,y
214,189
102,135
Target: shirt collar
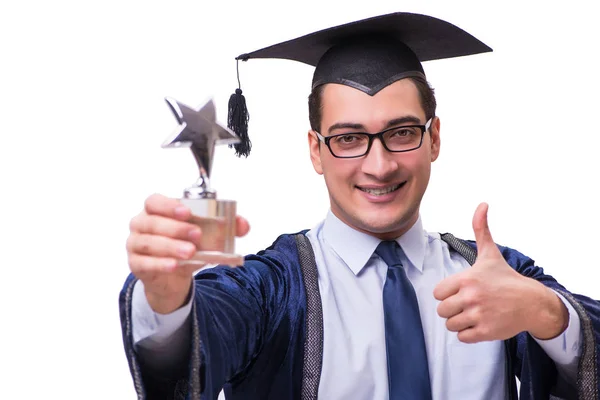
x,y
356,248
413,242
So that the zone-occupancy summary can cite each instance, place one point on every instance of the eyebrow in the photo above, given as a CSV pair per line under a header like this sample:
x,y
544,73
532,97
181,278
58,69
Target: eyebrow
x,y
396,121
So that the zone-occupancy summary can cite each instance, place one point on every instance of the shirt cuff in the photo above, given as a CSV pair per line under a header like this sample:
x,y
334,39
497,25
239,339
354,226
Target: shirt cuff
x,y
148,324
565,349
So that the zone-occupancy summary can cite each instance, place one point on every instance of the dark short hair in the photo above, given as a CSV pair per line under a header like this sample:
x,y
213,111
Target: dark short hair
x,y
426,96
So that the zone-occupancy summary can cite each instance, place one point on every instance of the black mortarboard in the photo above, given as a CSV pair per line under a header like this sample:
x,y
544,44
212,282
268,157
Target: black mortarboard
x,y
367,55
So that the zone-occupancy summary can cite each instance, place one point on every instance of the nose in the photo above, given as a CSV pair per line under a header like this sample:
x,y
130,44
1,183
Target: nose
x,y
379,163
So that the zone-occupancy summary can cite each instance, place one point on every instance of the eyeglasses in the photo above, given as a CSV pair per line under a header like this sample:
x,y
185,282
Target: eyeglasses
x,y
398,139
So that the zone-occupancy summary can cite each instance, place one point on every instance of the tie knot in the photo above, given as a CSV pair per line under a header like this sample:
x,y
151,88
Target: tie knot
x,y
389,251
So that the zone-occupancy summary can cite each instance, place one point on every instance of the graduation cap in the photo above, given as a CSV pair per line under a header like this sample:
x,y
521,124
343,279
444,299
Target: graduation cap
x,y
367,55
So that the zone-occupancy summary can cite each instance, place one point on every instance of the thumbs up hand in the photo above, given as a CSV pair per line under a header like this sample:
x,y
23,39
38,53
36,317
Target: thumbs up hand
x,y
492,301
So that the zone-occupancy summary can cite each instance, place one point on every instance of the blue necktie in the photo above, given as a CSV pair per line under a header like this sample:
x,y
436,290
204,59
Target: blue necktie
x,y
408,371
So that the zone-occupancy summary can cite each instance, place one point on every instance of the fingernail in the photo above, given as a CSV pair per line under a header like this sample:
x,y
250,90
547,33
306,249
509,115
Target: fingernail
x,y
181,211
186,250
194,234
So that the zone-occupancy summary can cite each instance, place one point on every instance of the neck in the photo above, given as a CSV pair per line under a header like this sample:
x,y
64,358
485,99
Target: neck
x,y
386,233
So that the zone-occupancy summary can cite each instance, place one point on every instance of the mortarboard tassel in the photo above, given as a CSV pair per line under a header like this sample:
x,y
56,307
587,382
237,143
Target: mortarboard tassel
x,y
237,119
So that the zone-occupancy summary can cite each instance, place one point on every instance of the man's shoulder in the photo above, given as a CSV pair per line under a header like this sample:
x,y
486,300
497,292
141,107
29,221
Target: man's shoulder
x,y
283,250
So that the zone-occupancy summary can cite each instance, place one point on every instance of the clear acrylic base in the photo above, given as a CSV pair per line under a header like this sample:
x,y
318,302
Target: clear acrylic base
x,y
217,220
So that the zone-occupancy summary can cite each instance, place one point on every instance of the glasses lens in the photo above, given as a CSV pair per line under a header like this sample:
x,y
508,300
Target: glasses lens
x,y
349,145
403,138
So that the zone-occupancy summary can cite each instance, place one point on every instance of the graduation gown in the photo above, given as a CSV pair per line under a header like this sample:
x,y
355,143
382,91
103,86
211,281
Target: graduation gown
x,y
257,332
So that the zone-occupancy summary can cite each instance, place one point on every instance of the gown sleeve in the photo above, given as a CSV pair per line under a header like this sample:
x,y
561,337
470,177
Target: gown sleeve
x,y
234,312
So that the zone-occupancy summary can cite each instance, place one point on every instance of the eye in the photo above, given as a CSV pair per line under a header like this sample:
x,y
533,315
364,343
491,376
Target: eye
x,y
404,131
348,138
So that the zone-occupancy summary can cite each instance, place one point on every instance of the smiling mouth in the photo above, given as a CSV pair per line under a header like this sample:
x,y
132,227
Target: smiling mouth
x,y
382,191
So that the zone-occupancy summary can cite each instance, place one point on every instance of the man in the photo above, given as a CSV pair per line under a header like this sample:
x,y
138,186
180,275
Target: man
x,y
366,305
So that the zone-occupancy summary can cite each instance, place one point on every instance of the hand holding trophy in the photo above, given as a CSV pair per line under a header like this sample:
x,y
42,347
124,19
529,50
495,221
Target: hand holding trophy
x,y
172,238
199,131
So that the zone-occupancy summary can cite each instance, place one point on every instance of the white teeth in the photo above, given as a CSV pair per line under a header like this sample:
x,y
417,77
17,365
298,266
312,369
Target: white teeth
x,y
380,192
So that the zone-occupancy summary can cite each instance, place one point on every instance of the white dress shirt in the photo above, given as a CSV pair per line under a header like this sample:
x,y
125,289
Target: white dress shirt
x,y
351,280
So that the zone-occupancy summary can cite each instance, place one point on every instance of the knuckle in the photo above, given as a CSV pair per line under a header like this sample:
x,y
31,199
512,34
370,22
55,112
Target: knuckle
x,y
131,261
129,243
134,223
143,223
440,310
468,299
472,297
443,310
148,202
476,314
142,270
142,244
136,264
151,201
475,318
468,280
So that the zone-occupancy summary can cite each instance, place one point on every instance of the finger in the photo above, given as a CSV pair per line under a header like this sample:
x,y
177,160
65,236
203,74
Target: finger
x,y
159,246
450,307
470,335
448,287
141,265
460,322
485,243
149,268
158,204
242,226
163,226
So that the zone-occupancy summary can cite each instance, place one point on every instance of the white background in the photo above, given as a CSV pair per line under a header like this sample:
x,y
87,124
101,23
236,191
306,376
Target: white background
x,y
82,118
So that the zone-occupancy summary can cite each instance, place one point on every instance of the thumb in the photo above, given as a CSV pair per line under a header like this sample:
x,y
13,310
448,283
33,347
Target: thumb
x,y
485,244
241,226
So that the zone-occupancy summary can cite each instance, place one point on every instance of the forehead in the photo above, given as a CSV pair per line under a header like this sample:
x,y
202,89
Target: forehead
x,y
342,103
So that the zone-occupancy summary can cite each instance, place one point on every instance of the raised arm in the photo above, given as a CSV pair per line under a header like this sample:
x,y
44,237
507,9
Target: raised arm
x,y
163,309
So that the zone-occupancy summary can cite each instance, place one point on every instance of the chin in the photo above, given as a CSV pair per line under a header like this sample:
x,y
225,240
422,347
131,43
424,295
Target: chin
x,y
388,222
381,220
381,224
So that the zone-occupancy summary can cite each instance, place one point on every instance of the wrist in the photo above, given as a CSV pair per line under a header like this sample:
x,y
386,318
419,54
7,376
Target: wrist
x,y
549,317
162,303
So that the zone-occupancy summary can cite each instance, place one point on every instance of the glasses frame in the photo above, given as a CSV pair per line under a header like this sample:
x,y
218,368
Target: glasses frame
x,y
372,136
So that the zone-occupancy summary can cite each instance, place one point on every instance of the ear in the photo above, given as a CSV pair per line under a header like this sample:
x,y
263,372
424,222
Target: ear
x,y
315,151
434,131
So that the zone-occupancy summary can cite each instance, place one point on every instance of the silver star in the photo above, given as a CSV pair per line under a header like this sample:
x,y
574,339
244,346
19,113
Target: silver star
x,y
199,130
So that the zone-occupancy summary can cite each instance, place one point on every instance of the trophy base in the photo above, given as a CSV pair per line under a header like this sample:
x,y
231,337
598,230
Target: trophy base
x,y
217,220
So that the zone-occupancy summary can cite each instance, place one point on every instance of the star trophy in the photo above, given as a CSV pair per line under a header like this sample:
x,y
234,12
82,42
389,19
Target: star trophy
x,y
199,131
